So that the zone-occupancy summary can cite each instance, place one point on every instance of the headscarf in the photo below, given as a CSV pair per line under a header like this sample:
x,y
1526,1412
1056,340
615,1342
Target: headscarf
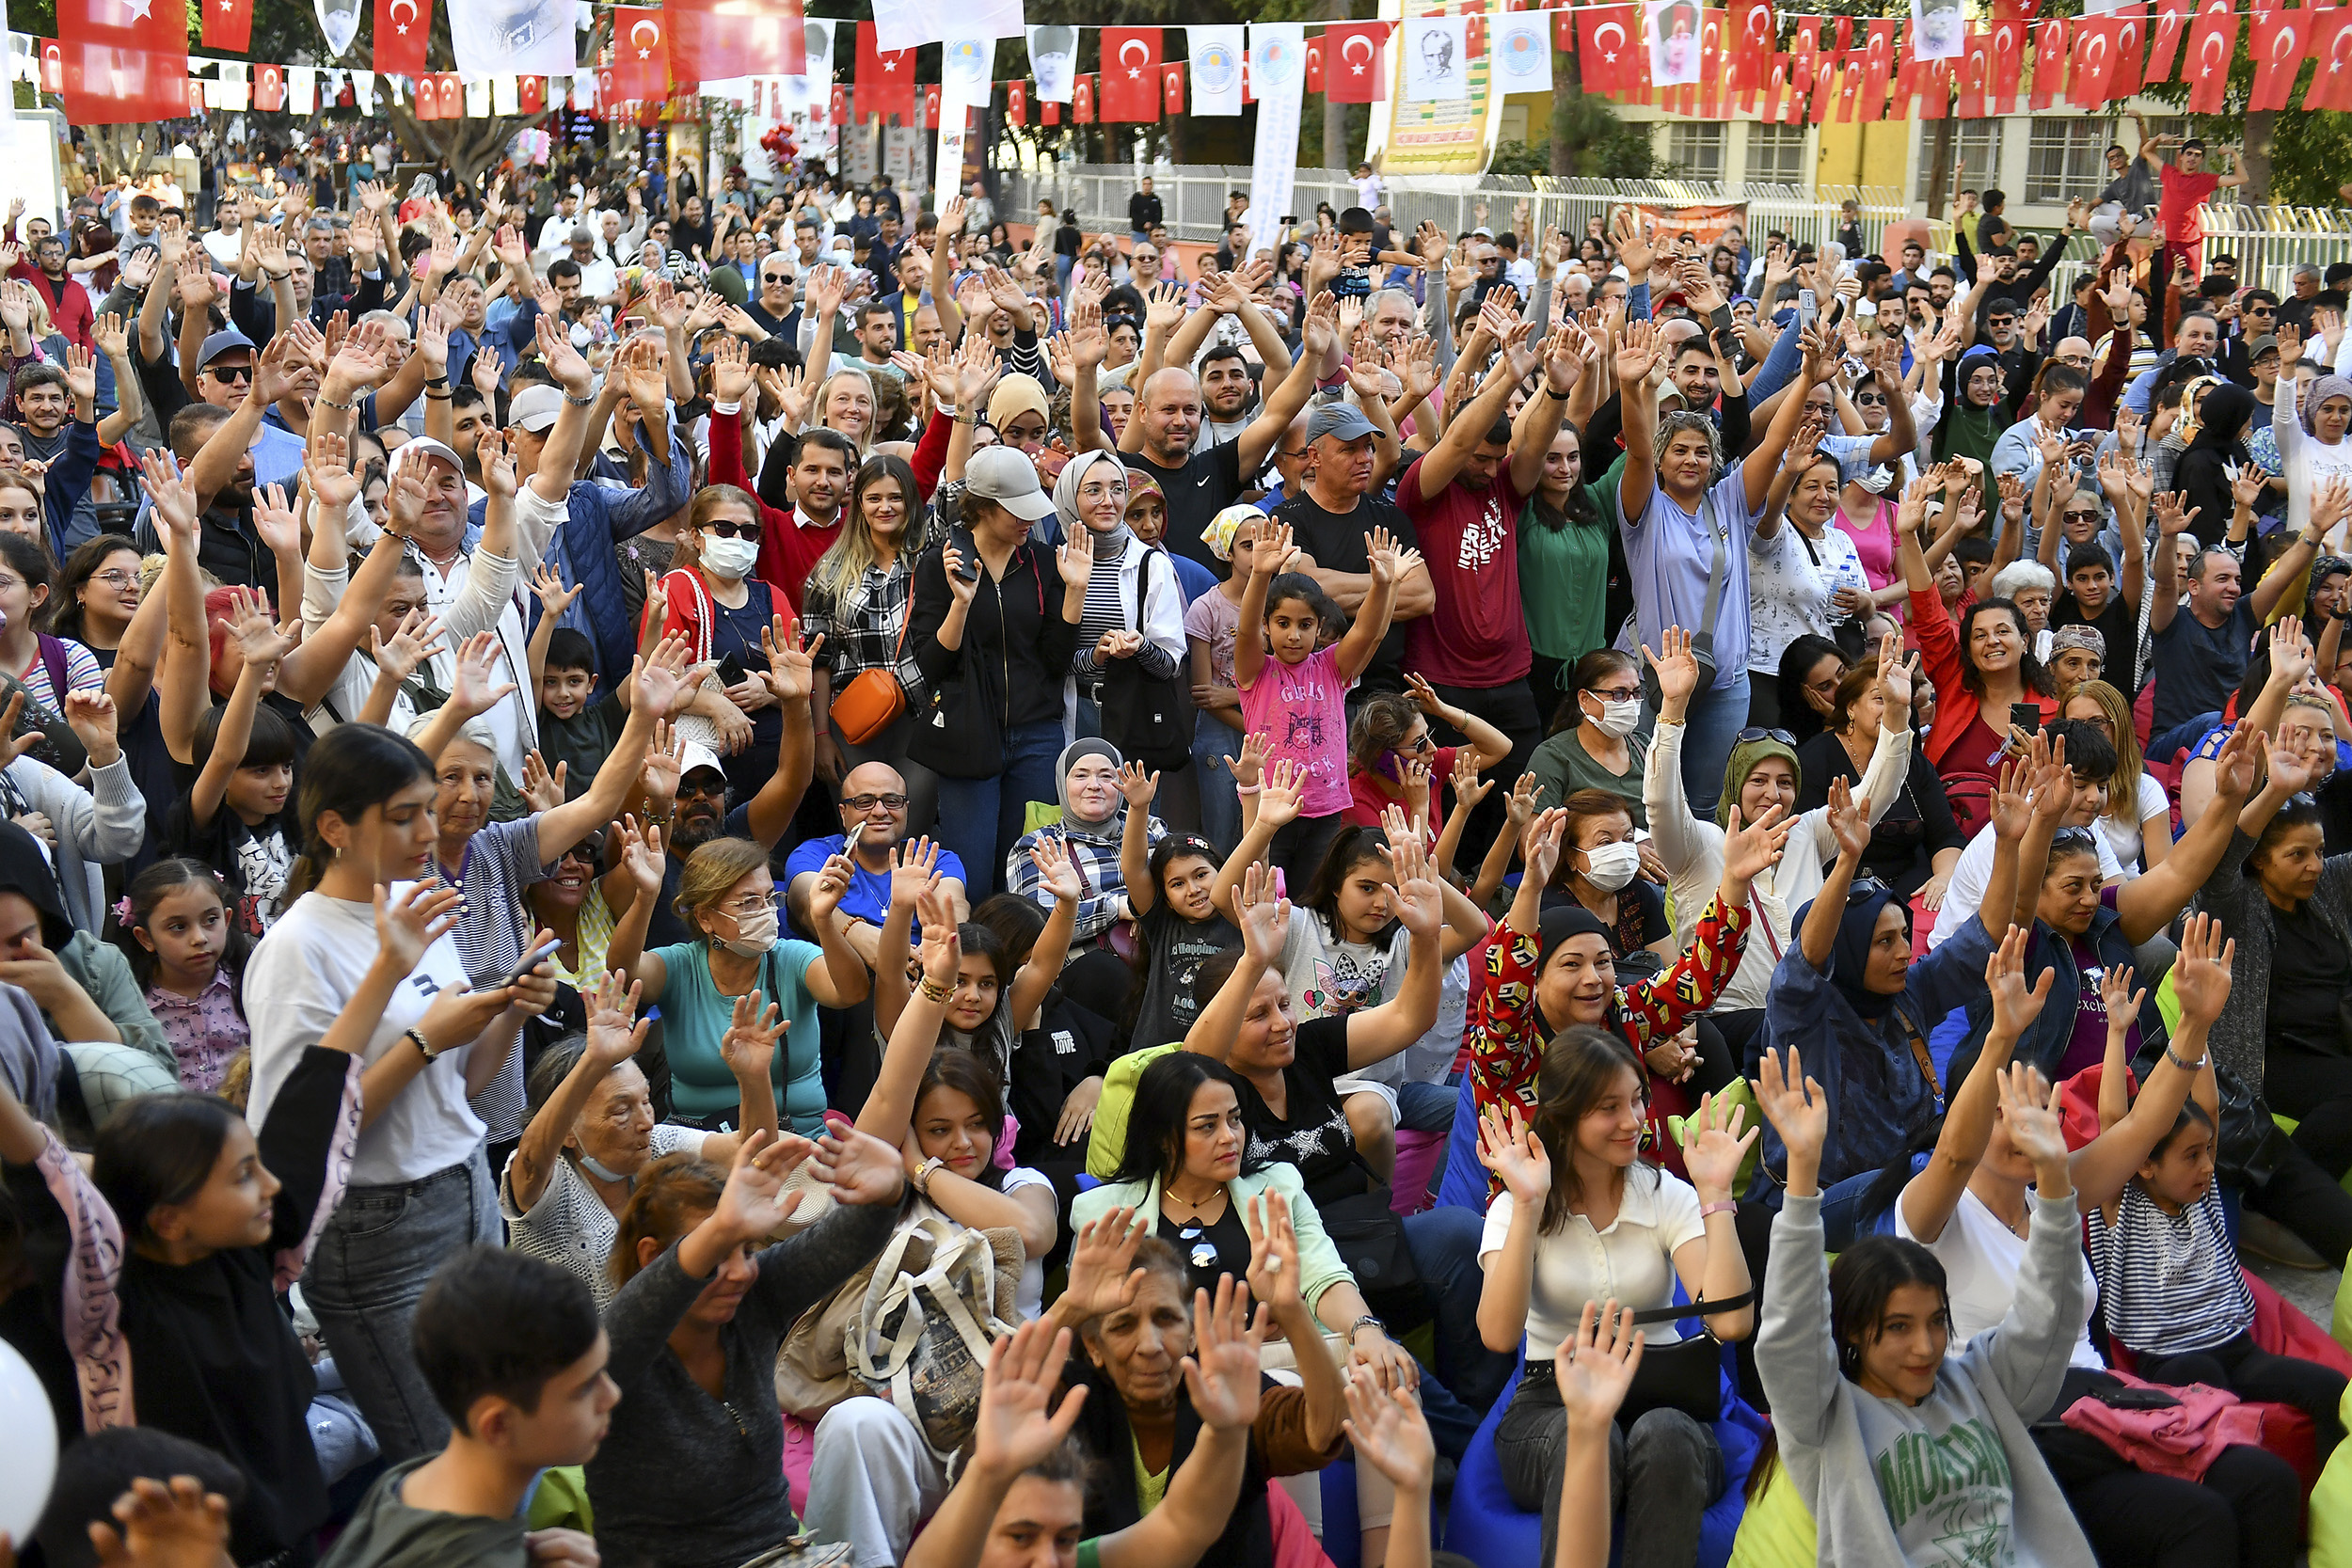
x,y
1849,956
2222,418
1968,430
2089,639
1218,534
2324,388
1742,761
1071,756
1107,546
1557,924
1018,393
1140,484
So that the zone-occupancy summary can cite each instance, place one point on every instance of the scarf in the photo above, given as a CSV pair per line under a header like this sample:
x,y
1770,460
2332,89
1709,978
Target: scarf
x,y
1071,756
2220,418
2324,388
1108,546
1742,761
1849,956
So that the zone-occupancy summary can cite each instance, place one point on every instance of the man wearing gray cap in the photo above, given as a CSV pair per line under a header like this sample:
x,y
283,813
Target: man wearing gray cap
x,y
1333,516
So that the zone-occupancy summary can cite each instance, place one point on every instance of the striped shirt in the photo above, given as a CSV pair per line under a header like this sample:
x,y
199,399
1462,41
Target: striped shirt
x,y
2171,1282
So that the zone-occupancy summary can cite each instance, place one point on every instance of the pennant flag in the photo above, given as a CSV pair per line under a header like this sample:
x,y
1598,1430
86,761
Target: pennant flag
x,y
531,94
1172,87
1936,89
1053,112
2131,51
2005,63
1804,53
885,78
1564,31
269,89
641,54
1906,86
1824,90
2331,46
1016,103
1521,57
428,103
2172,22
2049,62
1216,68
1131,79
1082,101
711,41
931,106
1849,88
126,61
403,27
1878,58
1315,64
1354,69
229,25
1711,66
1608,48
2095,56
2212,40
840,105
1052,58
2276,60
1775,88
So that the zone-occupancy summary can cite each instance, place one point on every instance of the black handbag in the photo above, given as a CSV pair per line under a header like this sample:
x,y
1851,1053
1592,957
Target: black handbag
x,y
1370,1239
1685,1375
1145,716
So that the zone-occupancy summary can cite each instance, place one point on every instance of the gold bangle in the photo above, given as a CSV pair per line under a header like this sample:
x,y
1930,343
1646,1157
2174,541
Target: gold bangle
x,y
933,991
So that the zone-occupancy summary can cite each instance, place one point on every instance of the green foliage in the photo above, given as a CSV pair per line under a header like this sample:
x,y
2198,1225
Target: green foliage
x,y
1520,157
2310,158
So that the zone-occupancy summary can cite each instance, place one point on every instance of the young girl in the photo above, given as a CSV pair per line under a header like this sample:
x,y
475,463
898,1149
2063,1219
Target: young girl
x,y
189,956
234,816
2171,1276
1169,892
1300,698
1210,623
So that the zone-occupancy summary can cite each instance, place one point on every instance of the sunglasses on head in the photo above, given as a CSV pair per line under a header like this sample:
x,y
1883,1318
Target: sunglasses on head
x,y
1864,889
726,529
1745,737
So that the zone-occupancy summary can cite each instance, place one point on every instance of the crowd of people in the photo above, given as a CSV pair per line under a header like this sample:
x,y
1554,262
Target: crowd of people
x,y
696,879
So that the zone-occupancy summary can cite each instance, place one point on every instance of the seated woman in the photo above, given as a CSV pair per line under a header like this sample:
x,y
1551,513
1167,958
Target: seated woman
x,y
1581,1220
591,1131
1593,743
2137,823
1093,826
1128,1301
1854,1360
694,1329
1392,732
1599,873
1762,773
1973,1199
2282,693
1915,839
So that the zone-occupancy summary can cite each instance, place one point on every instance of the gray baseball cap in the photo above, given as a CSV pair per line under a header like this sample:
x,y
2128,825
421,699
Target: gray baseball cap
x,y
1343,420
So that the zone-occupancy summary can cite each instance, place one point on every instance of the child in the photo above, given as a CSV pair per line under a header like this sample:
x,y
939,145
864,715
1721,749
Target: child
x,y
1301,700
2170,1277
514,1352
1169,892
189,956
234,816
576,730
1210,623
1356,232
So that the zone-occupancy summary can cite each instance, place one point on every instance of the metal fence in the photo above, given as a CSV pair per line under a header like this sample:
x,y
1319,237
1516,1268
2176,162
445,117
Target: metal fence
x,y
1193,195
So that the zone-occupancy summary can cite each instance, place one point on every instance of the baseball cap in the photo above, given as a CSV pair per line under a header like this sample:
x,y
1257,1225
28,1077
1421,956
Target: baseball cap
x,y
2266,343
425,446
1007,477
221,343
696,756
534,408
1343,420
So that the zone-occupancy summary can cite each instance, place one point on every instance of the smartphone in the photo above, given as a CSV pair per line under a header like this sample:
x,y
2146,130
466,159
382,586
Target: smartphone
x,y
730,671
2026,717
967,570
533,959
631,326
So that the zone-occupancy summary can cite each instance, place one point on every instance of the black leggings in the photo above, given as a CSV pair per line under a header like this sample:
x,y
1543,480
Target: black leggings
x,y
2315,1091
2250,1372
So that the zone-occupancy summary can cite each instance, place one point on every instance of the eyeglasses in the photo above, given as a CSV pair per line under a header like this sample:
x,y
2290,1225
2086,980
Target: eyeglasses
x,y
1616,693
114,578
1782,736
229,373
726,529
749,906
862,804
2080,516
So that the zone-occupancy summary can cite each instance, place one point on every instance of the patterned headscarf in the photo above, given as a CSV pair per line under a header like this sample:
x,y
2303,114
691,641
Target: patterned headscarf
x,y
1218,534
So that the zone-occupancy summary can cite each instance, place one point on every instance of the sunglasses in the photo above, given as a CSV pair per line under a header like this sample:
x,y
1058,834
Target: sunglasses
x,y
1868,400
1866,888
2080,516
1745,737
727,529
229,373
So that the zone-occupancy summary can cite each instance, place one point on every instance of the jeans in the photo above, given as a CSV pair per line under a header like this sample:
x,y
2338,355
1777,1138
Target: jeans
x,y
2167,744
1716,716
1668,1466
1215,744
1444,1245
981,819
1427,1107
370,1268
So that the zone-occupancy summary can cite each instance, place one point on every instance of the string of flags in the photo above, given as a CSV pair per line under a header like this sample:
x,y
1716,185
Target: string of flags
x,y
126,61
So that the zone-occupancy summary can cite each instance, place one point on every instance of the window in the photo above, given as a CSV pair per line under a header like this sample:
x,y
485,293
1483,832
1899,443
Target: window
x,y
1696,148
2066,157
1776,155
1976,143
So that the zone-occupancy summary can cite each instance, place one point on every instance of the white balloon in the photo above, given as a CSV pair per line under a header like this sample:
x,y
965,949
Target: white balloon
x,y
28,1460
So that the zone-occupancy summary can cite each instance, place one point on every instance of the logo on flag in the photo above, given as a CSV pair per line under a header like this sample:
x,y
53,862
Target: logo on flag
x,y
1521,54
1218,66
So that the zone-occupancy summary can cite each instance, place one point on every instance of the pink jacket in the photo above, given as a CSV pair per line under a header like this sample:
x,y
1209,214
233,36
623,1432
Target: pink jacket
x,y
2182,1441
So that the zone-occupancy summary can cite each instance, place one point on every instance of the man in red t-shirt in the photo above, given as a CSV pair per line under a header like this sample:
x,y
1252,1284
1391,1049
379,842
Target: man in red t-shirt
x,y
1464,498
2187,186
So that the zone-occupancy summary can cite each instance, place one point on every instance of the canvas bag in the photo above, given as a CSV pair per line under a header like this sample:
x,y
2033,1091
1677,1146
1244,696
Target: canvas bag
x,y
932,1307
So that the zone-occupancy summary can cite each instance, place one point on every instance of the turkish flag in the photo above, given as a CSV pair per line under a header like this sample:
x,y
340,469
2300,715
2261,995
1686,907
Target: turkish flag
x,y
428,105
2331,46
1474,35
2049,62
531,94
931,106
1824,89
713,40
1751,42
2095,56
1131,77
1776,89
885,78
2131,50
1849,88
229,25
602,100
452,95
403,27
1808,44
1081,103
2006,64
1906,86
2171,21
1353,68
1172,87
126,61
1878,69
641,54
1936,89
1609,45
840,105
1974,65
2277,57
269,89
2212,40
1053,113
1711,66
1017,103
1315,64
1564,31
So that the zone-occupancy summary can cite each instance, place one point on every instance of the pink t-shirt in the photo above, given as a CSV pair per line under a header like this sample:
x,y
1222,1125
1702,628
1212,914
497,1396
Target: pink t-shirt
x,y
1303,708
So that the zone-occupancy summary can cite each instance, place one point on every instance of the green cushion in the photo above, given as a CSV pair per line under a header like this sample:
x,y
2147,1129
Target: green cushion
x,y
2331,1509
1108,1144
1777,1530
560,1501
1737,1092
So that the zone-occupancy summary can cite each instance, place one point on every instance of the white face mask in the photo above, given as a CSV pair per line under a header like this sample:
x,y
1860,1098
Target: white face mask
x,y
753,936
1609,866
731,558
1619,718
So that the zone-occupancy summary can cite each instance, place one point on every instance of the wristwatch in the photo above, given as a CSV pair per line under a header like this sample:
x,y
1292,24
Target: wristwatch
x,y
1358,1324
923,1173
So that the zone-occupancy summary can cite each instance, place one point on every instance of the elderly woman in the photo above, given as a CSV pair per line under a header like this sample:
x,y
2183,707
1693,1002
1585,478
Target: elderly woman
x,y
2310,428
728,898
1091,778
592,1129
1132,630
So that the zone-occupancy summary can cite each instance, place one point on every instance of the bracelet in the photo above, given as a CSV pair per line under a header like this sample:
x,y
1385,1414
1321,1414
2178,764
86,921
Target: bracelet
x,y
436,380
2175,1057
1240,788
933,991
442,396
326,401
1726,1206
422,1045
587,401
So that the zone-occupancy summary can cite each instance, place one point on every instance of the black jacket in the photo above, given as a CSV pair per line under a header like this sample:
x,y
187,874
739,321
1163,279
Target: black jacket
x,y
1016,648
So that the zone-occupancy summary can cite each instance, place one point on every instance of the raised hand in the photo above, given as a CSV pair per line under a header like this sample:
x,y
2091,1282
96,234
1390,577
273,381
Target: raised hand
x,y
1386,1426
1797,1107
753,1205
1103,1276
1507,1147
407,926
1594,1366
1273,1254
1055,874
2200,975
1713,1145
1222,1371
1752,849
1265,917
2016,1005
749,1046
1677,667
1017,1425
2030,1110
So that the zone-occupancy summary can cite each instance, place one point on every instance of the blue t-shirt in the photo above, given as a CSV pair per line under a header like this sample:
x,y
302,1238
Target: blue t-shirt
x,y
697,1017
869,898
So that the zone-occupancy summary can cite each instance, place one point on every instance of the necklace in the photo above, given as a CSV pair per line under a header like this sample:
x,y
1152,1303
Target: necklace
x,y
1194,1206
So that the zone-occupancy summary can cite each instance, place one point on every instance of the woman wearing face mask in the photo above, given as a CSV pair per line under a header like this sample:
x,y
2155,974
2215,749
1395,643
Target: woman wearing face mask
x,y
1132,625
1599,873
724,613
1594,745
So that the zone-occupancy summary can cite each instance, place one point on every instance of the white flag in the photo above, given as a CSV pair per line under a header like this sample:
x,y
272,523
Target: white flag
x,y
302,89
363,90
584,91
534,37
1520,47
506,94
1216,57
1278,74
478,98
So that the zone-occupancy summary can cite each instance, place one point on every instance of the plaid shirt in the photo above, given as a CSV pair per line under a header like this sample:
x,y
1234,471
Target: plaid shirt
x,y
1094,852
1505,1043
865,626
